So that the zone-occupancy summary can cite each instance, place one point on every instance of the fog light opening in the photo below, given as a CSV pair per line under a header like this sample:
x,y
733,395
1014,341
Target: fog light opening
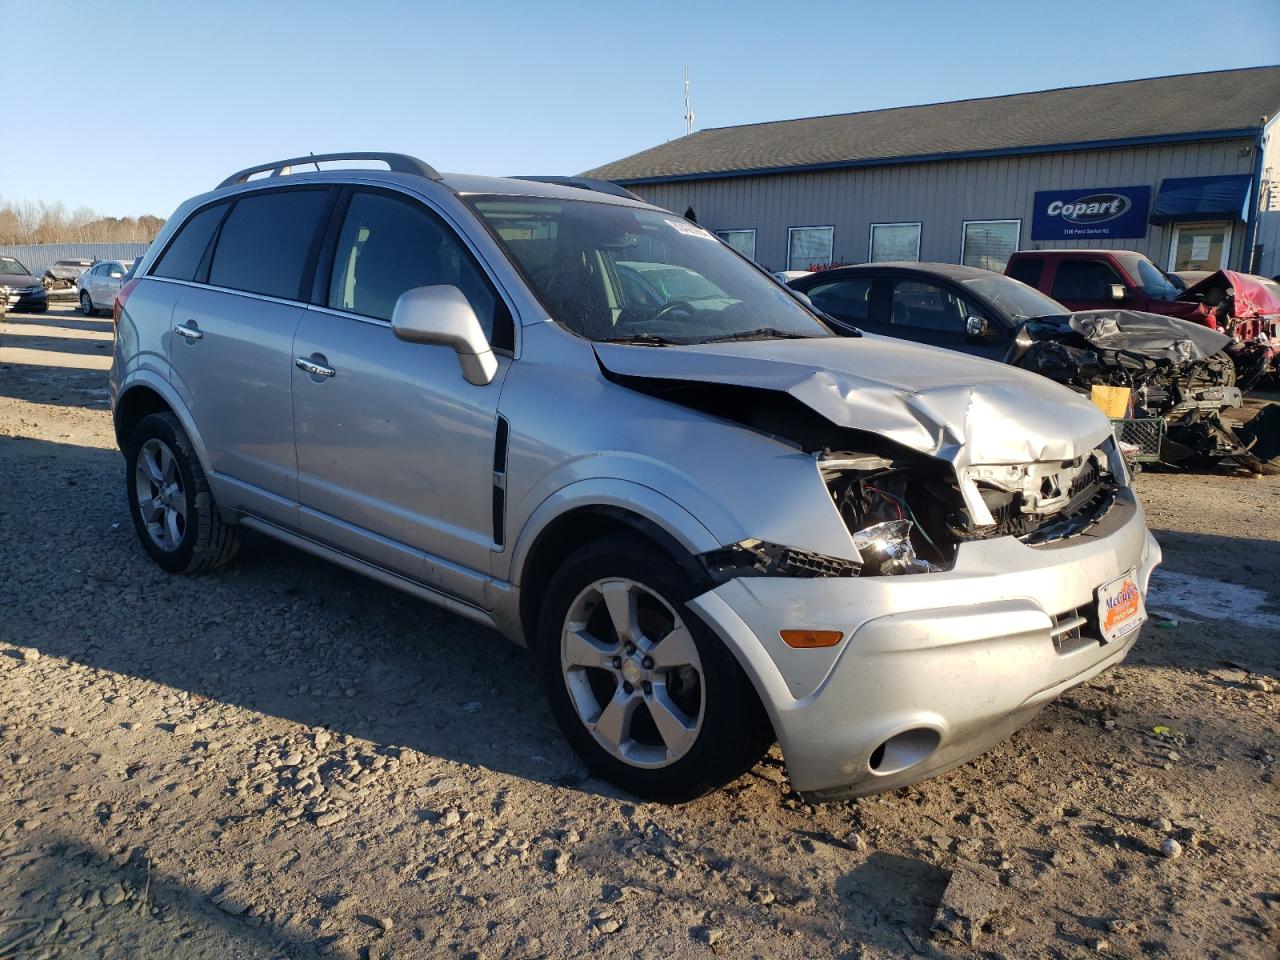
x,y
904,750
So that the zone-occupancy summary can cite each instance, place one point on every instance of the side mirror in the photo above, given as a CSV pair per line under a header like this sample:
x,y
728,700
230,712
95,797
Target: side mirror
x,y
116,275
443,315
1117,291
976,326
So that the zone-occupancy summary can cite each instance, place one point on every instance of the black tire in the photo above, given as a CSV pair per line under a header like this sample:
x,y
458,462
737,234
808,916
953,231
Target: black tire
x,y
206,541
735,731
86,304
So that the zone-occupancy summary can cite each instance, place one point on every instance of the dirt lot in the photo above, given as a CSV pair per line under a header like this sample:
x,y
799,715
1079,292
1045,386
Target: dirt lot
x,y
283,759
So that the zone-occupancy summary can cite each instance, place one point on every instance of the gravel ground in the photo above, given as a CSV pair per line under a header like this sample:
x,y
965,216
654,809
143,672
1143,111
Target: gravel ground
x,y
282,760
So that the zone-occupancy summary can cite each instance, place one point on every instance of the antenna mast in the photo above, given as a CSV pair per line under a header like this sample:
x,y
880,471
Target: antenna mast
x,y
688,104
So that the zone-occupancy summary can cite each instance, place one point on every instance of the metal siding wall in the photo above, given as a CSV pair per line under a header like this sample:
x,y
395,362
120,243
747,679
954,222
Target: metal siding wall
x,y
38,257
941,196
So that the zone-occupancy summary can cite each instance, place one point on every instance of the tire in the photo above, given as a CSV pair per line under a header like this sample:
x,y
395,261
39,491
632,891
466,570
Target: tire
x,y
86,303
730,731
181,529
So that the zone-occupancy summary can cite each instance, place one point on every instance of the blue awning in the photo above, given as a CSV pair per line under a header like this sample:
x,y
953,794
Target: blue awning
x,y
1202,198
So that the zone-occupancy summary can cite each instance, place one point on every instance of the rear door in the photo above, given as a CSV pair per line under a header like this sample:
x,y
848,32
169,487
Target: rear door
x,y
232,337
395,447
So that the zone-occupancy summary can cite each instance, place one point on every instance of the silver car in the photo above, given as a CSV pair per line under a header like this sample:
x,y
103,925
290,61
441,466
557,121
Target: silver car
x,y
99,285
587,423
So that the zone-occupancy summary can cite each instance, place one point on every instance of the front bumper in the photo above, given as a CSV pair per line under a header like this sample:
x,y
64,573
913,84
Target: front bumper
x,y
28,301
939,667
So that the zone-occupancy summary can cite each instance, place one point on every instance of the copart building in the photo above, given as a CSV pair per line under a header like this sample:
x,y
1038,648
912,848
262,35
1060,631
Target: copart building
x,y
1179,168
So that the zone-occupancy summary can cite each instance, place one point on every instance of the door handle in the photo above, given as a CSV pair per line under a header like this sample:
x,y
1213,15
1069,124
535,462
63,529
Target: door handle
x,y
313,368
190,333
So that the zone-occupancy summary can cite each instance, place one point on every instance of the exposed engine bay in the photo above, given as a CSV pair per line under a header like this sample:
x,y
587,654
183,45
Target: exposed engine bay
x,y
905,511
1177,371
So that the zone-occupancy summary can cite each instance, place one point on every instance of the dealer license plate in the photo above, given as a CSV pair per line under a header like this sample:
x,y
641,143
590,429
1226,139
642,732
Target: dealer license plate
x,y
1120,607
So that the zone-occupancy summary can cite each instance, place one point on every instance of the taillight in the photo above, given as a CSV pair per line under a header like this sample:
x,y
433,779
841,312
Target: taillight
x,y
121,297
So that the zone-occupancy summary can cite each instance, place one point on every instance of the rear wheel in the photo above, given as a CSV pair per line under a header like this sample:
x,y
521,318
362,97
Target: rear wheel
x,y
169,499
647,696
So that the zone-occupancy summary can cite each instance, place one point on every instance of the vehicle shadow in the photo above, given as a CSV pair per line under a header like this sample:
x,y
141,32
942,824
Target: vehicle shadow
x,y
277,632
60,320
155,914
52,383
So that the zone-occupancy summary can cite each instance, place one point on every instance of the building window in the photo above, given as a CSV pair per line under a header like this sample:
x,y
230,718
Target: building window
x,y
744,241
809,247
988,244
894,241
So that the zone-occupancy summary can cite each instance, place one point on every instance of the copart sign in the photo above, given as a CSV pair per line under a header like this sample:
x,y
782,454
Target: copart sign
x,y
1095,213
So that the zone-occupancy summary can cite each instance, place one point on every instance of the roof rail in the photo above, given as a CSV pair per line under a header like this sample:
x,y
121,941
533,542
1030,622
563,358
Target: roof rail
x,y
587,183
396,162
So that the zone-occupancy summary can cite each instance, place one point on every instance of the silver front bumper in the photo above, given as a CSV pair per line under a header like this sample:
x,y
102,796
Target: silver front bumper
x,y
947,663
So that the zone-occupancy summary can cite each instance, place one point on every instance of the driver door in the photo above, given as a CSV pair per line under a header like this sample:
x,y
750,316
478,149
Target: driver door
x,y
395,448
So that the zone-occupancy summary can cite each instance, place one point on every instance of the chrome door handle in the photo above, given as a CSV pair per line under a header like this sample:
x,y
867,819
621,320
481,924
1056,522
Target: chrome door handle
x,y
191,333
316,369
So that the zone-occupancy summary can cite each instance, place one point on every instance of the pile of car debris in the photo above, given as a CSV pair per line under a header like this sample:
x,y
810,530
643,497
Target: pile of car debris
x,y
1176,374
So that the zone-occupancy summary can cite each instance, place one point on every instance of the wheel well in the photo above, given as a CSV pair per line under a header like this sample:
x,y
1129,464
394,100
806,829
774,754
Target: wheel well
x,y
137,402
571,530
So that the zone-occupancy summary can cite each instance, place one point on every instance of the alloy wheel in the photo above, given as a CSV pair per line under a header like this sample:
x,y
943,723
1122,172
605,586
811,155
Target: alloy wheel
x,y
633,673
162,502
86,305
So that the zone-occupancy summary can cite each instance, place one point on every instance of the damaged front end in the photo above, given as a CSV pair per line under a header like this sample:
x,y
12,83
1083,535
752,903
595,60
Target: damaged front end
x,y
1175,372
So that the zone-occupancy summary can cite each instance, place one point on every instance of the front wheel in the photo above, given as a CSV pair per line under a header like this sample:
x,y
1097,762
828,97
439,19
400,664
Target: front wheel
x,y
169,499
646,695
86,303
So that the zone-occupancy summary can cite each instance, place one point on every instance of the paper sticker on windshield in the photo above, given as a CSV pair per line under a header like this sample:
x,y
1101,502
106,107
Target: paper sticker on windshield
x,y
688,229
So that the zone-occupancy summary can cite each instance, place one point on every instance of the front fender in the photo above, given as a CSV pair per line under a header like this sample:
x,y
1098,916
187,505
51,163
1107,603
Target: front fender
x,y
627,495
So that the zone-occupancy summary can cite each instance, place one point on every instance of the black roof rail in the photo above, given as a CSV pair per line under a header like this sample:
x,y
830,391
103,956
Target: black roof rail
x,y
587,183
396,162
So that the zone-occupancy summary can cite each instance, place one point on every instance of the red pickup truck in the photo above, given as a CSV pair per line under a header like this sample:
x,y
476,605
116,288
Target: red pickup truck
x,y
1245,307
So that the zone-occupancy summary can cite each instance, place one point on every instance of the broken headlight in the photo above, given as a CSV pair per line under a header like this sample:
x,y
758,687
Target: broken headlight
x,y
886,547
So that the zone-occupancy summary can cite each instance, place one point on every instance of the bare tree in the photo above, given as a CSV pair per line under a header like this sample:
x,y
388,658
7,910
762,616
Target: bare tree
x,y
28,221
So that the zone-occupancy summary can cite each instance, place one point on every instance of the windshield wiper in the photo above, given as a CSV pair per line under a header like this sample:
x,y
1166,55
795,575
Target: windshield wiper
x,y
760,333
642,340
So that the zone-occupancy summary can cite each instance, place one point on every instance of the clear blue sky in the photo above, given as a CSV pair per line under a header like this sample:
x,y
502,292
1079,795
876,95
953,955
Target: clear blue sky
x,y
201,89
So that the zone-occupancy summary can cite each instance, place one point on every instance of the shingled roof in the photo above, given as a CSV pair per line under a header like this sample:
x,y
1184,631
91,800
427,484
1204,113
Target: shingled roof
x,y
1224,103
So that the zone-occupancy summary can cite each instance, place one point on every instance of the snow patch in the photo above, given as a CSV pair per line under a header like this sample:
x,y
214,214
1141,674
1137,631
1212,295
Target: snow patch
x,y
1212,599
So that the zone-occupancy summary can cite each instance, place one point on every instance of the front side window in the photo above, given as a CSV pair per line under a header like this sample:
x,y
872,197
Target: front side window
x,y
181,259
265,242
809,247
844,299
744,241
1084,280
927,306
988,244
895,241
617,273
388,245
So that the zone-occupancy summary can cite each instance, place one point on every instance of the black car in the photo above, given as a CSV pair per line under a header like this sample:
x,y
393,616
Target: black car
x,y
961,308
21,290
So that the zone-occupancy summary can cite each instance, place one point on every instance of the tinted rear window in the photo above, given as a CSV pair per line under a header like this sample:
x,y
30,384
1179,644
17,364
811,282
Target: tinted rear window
x,y
265,241
1027,269
182,258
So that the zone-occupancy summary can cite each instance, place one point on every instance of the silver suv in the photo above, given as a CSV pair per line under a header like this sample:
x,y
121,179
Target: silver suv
x,y
589,424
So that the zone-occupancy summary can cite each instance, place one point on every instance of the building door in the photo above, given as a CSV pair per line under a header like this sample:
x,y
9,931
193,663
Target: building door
x,y
1200,246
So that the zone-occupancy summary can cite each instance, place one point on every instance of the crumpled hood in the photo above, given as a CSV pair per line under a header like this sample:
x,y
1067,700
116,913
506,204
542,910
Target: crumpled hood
x,y
1148,334
1254,296
938,402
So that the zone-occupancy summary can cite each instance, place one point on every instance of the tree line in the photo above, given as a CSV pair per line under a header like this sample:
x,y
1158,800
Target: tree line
x,y
28,221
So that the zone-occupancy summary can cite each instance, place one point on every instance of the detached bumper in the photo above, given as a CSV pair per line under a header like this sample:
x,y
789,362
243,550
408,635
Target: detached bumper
x,y
934,668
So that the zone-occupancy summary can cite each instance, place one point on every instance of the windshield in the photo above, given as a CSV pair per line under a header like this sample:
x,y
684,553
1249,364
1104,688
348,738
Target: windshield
x,y
1015,299
611,272
1155,283
10,267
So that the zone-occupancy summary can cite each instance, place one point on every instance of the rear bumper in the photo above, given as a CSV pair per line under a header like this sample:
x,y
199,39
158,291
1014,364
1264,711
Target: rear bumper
x,y
938,666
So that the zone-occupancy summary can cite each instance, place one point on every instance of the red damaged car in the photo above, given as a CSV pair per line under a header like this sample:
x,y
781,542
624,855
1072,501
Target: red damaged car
x,y
1244,307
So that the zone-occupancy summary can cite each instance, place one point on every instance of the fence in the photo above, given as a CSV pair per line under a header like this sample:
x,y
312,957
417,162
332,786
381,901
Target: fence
x,y
38,257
